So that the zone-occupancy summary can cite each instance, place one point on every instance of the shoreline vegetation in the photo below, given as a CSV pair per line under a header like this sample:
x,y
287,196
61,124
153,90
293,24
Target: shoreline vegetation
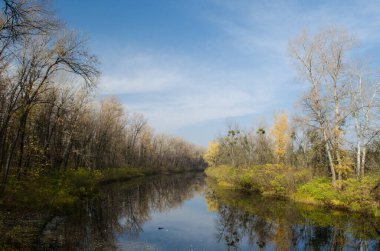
x,y
300,185
277,216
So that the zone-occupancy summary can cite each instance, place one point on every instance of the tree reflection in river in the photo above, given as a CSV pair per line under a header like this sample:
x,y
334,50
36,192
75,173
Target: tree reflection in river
x,y
124,208
265,223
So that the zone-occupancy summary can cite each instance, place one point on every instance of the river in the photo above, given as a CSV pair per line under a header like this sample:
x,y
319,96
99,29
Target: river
x,y
187,212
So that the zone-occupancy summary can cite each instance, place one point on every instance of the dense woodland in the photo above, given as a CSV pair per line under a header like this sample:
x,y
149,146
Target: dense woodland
x,y
50,118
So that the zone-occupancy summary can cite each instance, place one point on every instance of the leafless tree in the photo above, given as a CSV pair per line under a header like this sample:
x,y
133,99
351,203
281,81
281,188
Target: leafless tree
x,y
321,60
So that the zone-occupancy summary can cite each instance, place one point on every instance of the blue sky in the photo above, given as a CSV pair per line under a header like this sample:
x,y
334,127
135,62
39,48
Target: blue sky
x,y
192,66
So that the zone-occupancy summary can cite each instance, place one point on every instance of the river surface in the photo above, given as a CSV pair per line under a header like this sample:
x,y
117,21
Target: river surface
x,y
187,212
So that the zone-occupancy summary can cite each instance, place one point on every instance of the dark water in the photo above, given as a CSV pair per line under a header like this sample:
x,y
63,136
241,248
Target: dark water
x,y
184,212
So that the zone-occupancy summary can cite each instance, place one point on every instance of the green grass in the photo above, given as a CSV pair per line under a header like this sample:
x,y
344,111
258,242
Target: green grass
x,y
355,195
271,180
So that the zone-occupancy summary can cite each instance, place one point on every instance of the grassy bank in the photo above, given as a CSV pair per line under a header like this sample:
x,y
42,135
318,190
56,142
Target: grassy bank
x,y
301,186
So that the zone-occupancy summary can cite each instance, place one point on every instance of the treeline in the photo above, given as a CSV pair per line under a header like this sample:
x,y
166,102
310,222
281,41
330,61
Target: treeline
x,y
49,117
286,142
337,132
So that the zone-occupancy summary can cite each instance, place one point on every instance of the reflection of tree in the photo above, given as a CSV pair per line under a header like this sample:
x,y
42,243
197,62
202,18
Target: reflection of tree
x,y
263,221
228,228
124,208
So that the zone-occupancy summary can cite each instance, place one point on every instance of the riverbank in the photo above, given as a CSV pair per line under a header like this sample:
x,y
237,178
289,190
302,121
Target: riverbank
x,y
301,185
59,190
291,225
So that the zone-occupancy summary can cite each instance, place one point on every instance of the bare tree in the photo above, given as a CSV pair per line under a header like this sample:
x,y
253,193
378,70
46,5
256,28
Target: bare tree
x,y
364,90
39,61
321,60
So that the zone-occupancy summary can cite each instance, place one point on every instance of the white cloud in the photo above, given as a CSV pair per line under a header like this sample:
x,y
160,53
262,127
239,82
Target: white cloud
x,y
138,73
176,92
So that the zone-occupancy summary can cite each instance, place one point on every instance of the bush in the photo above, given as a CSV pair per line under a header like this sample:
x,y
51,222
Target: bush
x,y
355,195
274,180
318,190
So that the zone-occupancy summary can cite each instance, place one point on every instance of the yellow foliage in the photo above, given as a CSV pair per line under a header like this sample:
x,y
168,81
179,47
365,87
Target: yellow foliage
x,y
280,134
211,155
345,165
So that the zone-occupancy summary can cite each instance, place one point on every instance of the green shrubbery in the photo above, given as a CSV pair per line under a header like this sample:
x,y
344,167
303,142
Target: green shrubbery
x,y
299,185
274,180
355,195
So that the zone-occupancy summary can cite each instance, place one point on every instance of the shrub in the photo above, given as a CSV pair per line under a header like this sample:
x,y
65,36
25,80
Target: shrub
x,y
356,195
298,184
270,179
319,190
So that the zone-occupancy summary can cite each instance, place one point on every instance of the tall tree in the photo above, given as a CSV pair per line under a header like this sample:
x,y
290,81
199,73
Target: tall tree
x,y
321,60
364,88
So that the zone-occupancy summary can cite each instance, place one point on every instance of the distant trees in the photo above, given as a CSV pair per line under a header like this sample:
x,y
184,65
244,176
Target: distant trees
x,y
241,148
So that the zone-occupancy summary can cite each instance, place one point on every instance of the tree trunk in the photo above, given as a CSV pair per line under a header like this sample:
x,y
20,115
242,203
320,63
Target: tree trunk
x,y
9,158
358,159
363,161
331,162
22,129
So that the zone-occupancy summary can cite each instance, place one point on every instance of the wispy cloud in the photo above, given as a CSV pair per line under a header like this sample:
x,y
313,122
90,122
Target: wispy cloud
x,y
177,92
138,73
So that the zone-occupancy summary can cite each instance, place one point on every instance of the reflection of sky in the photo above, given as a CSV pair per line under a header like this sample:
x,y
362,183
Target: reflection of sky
x,y
189,227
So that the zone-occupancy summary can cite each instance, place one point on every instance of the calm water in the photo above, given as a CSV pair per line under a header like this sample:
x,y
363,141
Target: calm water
x,y
186,212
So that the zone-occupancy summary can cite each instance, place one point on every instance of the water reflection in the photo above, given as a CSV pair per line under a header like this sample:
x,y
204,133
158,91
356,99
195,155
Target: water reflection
x,y
254,222
124,208
194,215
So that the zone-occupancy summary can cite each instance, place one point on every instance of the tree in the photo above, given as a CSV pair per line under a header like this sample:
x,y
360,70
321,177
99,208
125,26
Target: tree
x,y
321,60
280,133
364,88
211,155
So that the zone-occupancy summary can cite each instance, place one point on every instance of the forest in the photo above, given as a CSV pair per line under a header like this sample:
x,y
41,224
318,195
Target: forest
x,y
327,153
52,123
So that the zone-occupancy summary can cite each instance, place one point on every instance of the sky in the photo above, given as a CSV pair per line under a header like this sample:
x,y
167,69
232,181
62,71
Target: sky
x,y
194,66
